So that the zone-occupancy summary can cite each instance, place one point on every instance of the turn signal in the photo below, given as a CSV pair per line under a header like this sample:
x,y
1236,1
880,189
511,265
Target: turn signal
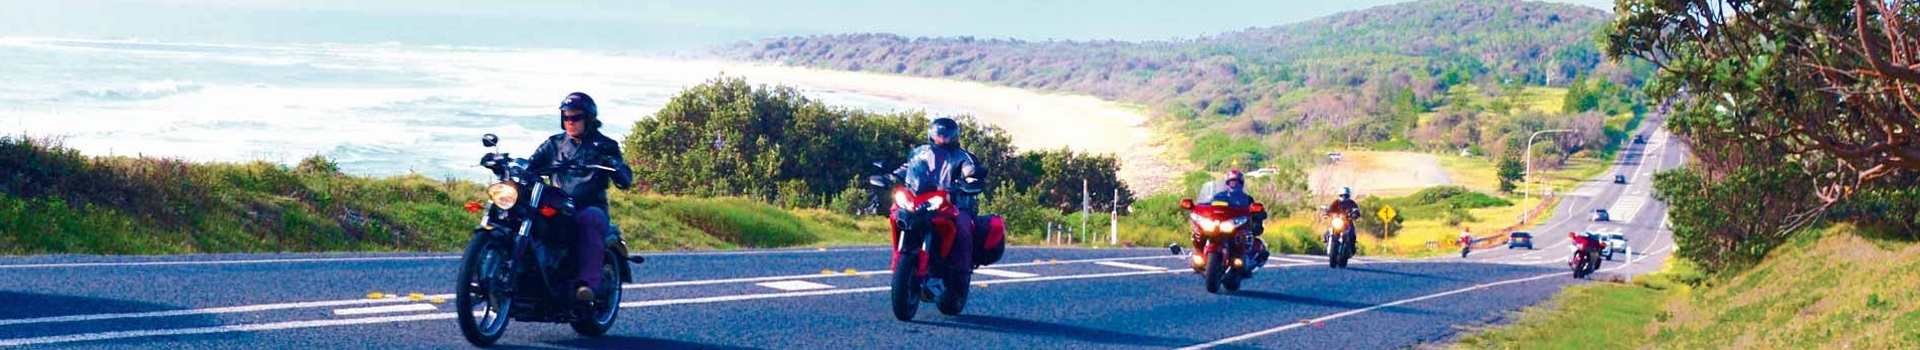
x,y
1199,260
547,211
473,207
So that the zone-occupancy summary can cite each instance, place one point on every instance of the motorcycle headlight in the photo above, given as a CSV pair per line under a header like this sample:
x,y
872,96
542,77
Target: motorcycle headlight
x,y
902,200
1228,226
935,202
503,195
1339,224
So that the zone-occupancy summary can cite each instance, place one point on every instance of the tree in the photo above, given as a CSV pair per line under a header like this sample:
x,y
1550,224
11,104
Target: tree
x,y
1835,85
1510,172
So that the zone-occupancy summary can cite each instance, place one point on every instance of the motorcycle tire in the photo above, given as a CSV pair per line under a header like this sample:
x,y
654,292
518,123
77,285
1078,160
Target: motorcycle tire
x,y
471,265
607,308
955,300
1216,271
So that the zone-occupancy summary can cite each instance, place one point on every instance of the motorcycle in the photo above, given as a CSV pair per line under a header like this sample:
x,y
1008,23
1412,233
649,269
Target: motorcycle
x,y
1224,248
1586,256
923,224
516,266
1341,241
1466,246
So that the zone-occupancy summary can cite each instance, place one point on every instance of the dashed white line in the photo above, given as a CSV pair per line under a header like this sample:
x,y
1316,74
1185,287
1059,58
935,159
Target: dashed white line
x,y
795,285
1131,266
385,309
1004,273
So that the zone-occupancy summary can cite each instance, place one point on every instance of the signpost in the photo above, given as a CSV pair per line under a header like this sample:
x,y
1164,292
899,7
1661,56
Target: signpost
x,y
1386,218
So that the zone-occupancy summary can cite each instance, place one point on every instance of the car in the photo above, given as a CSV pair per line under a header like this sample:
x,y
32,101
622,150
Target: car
x,y
1620,179
1640,139
1520,239
1263,172
1617,242
1600,215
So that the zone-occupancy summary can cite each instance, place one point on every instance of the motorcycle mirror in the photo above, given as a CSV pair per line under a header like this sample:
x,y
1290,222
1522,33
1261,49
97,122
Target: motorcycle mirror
x,y
1186,203
489,140
1174,248
879,164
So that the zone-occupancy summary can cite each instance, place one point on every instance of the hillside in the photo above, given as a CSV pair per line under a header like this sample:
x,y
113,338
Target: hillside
x,y
1361,76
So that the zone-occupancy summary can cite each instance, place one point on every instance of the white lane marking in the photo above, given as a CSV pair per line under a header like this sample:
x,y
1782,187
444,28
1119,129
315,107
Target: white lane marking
x,y
1296,260
228,262
220,329
868,273
1131,266
385,309
449,315
1004,273
217,310
794,285
353,302
1268,331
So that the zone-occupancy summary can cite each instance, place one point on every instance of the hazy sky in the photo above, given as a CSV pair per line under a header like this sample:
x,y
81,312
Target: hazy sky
x,y
622,24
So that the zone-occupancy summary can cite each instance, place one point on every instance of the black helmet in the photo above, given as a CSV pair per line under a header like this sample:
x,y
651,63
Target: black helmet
x,y
944,128
581,102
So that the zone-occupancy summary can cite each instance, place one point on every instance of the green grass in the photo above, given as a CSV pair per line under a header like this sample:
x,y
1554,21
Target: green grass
x,y
57,201
1833,288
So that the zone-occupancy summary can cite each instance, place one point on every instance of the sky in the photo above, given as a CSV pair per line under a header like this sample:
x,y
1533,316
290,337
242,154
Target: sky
x,y
646,25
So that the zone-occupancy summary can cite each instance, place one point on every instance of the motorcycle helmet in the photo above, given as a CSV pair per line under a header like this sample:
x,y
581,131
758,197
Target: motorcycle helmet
x,y
579,101
1346,192
943,128
1236,180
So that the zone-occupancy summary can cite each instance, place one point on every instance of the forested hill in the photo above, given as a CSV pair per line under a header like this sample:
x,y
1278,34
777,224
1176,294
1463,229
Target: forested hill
x,y
1338,70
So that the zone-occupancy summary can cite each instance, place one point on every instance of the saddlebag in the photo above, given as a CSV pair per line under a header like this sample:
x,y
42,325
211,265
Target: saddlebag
x,y
990,240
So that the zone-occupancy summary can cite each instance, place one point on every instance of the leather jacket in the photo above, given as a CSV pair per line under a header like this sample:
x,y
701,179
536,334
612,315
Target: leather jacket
x,y
943,168
587,187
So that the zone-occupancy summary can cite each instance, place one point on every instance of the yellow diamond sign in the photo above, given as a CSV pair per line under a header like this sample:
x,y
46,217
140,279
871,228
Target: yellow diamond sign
x,y
1387,213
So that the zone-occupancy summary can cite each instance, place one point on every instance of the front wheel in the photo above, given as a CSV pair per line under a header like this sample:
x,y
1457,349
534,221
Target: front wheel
x,y
906,290
607,308
479,304
1215,271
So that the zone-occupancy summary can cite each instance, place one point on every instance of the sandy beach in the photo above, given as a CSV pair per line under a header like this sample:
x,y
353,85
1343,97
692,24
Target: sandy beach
x,y
1036,120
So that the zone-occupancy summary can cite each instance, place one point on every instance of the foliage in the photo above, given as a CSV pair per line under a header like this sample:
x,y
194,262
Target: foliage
x,y
1510,172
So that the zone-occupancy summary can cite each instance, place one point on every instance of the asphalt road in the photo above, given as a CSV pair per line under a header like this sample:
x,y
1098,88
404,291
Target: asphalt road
x,y
1052,298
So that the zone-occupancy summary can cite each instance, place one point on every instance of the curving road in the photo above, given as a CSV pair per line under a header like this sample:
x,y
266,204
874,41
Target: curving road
x,y
1053,298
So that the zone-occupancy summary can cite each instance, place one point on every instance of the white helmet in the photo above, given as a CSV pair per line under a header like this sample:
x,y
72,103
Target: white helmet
x,y
1346,192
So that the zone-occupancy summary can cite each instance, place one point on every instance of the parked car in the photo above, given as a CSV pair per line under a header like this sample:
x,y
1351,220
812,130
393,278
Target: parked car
x,y
1600,215
1520,239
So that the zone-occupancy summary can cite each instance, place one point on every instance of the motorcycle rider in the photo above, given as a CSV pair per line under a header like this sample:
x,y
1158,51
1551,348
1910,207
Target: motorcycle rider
x,y
942,165
1235,195
1466,241
1345,206
582,144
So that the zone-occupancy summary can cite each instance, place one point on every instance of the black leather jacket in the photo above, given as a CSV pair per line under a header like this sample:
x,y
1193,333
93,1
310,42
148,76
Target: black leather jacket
x,y
588,187
938,168
1344,206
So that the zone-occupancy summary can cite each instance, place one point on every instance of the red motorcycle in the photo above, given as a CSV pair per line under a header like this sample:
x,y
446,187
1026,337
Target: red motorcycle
x,y
1586,254
1224,248
925,228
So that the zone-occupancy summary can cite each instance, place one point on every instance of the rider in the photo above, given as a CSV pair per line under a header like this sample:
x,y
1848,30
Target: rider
x,y
1346,207
583,145
943,165
1466,240
1236,196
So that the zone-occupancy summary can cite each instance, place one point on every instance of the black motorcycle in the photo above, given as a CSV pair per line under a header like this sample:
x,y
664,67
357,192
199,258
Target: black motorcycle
x,y
517,266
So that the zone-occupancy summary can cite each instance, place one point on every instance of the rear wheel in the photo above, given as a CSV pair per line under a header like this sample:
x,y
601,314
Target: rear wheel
x,y
955,300
480,307
1215,272
607,308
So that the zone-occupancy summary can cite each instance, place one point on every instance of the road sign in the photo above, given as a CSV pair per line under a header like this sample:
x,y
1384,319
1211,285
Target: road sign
x,y
1387,213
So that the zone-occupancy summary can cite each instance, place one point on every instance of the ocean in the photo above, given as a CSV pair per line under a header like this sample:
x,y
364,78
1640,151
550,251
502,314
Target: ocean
x,y
376,109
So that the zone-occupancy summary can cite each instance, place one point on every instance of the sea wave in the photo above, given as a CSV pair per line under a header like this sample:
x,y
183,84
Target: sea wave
x,y
142,91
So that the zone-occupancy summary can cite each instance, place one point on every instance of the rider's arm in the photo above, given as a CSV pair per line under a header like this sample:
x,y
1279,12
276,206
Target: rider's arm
x,y
918,155
542,160
622,173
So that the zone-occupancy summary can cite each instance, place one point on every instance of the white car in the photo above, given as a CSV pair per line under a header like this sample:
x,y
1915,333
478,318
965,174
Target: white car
x,y
1263,172
1616,243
